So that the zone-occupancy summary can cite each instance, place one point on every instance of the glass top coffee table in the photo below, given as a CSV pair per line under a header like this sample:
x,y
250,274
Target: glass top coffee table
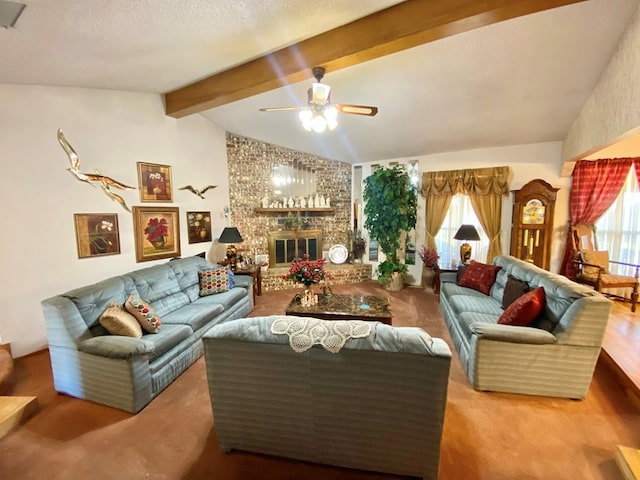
x,y
344,307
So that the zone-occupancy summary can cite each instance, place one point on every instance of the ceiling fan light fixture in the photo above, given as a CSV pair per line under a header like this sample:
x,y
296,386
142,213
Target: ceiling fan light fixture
x,y
320,93
319,124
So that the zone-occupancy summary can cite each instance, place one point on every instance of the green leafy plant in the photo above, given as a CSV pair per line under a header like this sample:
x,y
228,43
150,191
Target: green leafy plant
x,y
390,209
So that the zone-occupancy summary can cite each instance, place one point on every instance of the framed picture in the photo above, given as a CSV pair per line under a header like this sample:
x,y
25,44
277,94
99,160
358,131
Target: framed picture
x,y
97,234
157,232
154,182
261,260
199,226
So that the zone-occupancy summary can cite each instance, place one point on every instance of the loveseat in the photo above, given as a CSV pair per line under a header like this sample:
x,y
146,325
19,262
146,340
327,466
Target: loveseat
x,y
553,356
127,372
377,404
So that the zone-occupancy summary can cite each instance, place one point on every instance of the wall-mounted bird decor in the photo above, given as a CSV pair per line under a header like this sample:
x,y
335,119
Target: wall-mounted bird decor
x,y
105,182
197,192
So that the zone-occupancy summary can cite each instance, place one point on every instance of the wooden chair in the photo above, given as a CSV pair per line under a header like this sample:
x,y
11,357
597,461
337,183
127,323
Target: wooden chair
x,y
592,265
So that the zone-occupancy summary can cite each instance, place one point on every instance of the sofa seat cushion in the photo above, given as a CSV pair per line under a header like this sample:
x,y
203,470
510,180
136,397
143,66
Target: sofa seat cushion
x,y
467,319
472,303
226,299
167,337
451,289
196,315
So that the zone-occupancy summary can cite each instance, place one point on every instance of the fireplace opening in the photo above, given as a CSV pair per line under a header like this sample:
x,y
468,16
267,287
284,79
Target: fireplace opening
x,y
284,246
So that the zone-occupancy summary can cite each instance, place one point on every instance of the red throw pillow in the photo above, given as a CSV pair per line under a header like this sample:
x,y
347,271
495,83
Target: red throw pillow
x,y
525,309
479,276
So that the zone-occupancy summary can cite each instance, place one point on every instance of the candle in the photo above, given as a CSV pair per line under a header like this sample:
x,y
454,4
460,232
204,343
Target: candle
x,y
526,238
537,238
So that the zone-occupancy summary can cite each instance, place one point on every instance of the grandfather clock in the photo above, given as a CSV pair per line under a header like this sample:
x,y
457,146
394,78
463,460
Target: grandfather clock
x,y
532,222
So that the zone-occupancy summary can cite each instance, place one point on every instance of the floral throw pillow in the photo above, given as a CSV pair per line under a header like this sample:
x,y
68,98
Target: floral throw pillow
x,y
117,321
144,313
525,309
214,280
479,276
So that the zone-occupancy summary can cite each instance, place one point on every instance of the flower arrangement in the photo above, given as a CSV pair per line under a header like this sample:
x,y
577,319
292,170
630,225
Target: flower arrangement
x,y
156,230
307,271
430,257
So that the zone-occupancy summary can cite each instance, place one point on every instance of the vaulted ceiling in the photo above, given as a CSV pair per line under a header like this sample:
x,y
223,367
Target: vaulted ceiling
x,y
447,75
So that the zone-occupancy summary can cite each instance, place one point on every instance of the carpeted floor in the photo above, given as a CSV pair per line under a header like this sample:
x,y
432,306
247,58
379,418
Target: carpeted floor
x,y
489,436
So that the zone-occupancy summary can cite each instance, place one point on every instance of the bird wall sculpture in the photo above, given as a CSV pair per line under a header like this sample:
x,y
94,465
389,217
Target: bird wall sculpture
x,y
197,192
105,182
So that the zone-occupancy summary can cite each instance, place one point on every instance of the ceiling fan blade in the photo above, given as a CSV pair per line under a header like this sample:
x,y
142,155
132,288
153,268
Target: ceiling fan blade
x,y
283,109
356,109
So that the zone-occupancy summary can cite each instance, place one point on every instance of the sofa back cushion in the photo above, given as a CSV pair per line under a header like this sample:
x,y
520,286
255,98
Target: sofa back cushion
x,y
92,300
159,286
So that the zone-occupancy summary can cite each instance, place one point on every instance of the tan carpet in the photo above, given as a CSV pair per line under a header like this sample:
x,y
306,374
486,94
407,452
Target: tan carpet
x,y
486,435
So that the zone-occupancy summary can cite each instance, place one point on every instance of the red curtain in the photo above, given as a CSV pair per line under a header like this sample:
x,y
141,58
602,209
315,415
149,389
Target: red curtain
x,y
636,163
596,185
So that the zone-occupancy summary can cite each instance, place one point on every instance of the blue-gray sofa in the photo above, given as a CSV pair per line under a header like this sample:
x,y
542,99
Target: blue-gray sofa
x,y
126,372
377,404
555,356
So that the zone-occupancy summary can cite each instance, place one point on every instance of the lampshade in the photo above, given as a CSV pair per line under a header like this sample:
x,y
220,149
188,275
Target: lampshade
x,y
230,235
467,232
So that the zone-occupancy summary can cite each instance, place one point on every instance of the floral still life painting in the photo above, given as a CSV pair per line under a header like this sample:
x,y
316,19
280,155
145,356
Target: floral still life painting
x,y
199,226
154,182
97,234
157,233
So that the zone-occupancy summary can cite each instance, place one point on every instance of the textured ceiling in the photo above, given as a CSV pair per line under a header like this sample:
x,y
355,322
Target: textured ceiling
x,y
516,82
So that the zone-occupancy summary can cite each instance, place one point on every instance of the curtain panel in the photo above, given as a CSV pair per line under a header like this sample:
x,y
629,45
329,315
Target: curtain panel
x,y
484,186
595,186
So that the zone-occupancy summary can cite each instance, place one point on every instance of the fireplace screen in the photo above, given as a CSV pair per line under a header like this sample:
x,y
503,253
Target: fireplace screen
x,y
284,246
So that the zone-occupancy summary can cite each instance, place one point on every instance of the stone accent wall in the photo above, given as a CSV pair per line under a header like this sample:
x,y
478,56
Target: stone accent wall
x,y
251,163
342,274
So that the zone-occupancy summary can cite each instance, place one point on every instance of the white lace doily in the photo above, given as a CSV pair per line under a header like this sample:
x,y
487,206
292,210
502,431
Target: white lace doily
x,y
332,335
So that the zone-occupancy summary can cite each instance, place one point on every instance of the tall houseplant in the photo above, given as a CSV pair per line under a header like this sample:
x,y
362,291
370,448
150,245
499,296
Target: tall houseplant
x,y
390,209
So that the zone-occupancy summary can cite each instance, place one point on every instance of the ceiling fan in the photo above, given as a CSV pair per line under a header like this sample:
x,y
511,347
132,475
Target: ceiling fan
x,y
319,113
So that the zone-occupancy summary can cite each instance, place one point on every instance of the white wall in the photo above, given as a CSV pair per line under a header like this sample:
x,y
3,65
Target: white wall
x,y
612,111
111,131
541,160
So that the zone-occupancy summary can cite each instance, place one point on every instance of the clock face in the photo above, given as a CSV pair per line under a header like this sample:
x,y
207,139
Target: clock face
x,y
533,212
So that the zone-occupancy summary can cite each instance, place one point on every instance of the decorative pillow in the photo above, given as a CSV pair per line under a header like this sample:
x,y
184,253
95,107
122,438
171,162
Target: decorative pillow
x,y
117,321
525,309
461,268
600,258
479,276
513,290
213,280
144,313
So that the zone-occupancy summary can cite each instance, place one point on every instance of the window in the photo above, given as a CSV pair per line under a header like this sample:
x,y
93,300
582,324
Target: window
x,y
618,229
460,212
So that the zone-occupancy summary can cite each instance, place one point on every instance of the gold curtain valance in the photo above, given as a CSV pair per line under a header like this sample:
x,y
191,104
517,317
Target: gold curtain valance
x,y
475,181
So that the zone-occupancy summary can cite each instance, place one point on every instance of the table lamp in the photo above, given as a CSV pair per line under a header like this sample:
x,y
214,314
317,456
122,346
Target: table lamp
x,y
231,235
466,232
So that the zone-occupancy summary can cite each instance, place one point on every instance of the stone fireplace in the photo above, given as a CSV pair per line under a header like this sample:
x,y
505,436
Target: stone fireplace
x,y
286,245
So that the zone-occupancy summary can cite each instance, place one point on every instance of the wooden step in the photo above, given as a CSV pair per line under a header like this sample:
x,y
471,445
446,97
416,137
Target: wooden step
x,y
14,411
628,460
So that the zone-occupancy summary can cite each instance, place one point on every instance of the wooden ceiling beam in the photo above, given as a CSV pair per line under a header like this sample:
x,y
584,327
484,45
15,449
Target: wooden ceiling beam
x,y
402,26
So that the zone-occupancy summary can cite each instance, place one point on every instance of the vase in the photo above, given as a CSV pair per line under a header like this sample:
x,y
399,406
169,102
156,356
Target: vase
x,y
159,243
428,276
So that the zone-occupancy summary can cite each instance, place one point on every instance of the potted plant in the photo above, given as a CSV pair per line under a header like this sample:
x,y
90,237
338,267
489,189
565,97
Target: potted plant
x,y
390,209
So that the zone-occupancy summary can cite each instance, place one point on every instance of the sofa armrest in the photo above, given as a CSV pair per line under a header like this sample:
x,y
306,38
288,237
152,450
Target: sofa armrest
x,y
513,334
115,346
